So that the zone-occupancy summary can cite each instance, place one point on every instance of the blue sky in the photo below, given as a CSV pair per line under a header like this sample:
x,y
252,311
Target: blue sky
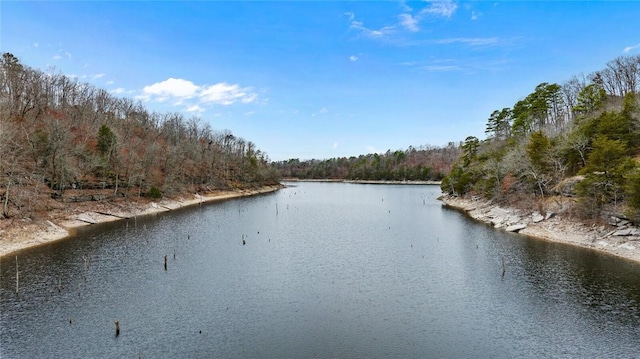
x,y
321,79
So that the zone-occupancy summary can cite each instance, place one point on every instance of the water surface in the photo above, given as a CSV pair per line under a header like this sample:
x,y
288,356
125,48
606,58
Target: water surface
x,y
328,270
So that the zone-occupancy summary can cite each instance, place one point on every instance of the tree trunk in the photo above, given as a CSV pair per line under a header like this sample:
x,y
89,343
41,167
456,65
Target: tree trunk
x,y
5,207
115,193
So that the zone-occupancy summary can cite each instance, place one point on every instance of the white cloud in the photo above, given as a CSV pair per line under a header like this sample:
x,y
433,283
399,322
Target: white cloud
x,y
628,49
475,15
383,31
350,15
322,111
409,22
226,94
181,92
171,88
480,41
353,58
110,82
371,149
406,20
444,8
97,76
195,108
35,44
335,145
60,54
441,68
249,98
249,113
119,90
404,6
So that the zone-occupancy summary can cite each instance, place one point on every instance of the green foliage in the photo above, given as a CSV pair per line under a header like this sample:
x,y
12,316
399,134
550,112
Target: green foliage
x,y
590,99
632,189
606,174
425,164
616,126
470,150
11,62
522,119
608,157
537,110
106,140
630,106
459,181
154,193
544,144
538,149
499,124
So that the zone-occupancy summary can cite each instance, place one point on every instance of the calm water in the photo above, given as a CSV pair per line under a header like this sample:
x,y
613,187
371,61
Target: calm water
x,y
328,270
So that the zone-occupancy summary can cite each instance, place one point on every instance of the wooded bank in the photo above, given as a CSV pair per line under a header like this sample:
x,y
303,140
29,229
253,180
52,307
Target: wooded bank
x,y
64,141
423,163
574,146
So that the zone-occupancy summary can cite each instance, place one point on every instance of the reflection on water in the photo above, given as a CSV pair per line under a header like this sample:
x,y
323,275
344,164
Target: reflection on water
x,y
328,270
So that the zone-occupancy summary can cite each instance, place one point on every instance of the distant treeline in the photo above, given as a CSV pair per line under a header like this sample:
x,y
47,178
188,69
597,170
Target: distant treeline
x,y
580,139
57,134
425,163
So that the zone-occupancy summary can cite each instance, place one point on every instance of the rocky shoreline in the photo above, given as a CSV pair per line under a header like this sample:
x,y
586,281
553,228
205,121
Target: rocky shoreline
x,y
618,237
26,233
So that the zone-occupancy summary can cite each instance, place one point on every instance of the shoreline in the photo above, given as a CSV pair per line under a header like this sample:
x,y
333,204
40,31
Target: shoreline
x,y
619,239
26,233
330,180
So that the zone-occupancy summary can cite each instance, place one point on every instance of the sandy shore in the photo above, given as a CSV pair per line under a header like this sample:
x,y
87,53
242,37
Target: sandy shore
x,y
18,234
617,238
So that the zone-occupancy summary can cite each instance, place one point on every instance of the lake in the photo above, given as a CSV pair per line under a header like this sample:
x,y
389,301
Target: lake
x,y
327,270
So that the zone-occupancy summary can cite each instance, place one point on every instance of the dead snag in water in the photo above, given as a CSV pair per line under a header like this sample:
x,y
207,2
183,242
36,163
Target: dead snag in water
x,y
17,277
165,262
117,323
503,268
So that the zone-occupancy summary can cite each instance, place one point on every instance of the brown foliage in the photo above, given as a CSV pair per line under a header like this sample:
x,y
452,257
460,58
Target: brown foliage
x,y
49,126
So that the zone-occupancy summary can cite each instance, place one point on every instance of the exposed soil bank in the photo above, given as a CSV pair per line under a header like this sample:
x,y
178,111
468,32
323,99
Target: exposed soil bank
x,y
17,234
618,238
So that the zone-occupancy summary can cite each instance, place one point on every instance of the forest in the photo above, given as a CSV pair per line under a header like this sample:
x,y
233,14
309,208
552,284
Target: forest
x,y
425,163
575,145
70,141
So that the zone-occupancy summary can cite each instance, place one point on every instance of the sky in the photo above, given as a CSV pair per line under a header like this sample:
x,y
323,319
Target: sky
x,y
323,79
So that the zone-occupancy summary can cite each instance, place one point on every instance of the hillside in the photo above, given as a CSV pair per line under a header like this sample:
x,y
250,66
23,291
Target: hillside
x,y
571,148
63,142
425,163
